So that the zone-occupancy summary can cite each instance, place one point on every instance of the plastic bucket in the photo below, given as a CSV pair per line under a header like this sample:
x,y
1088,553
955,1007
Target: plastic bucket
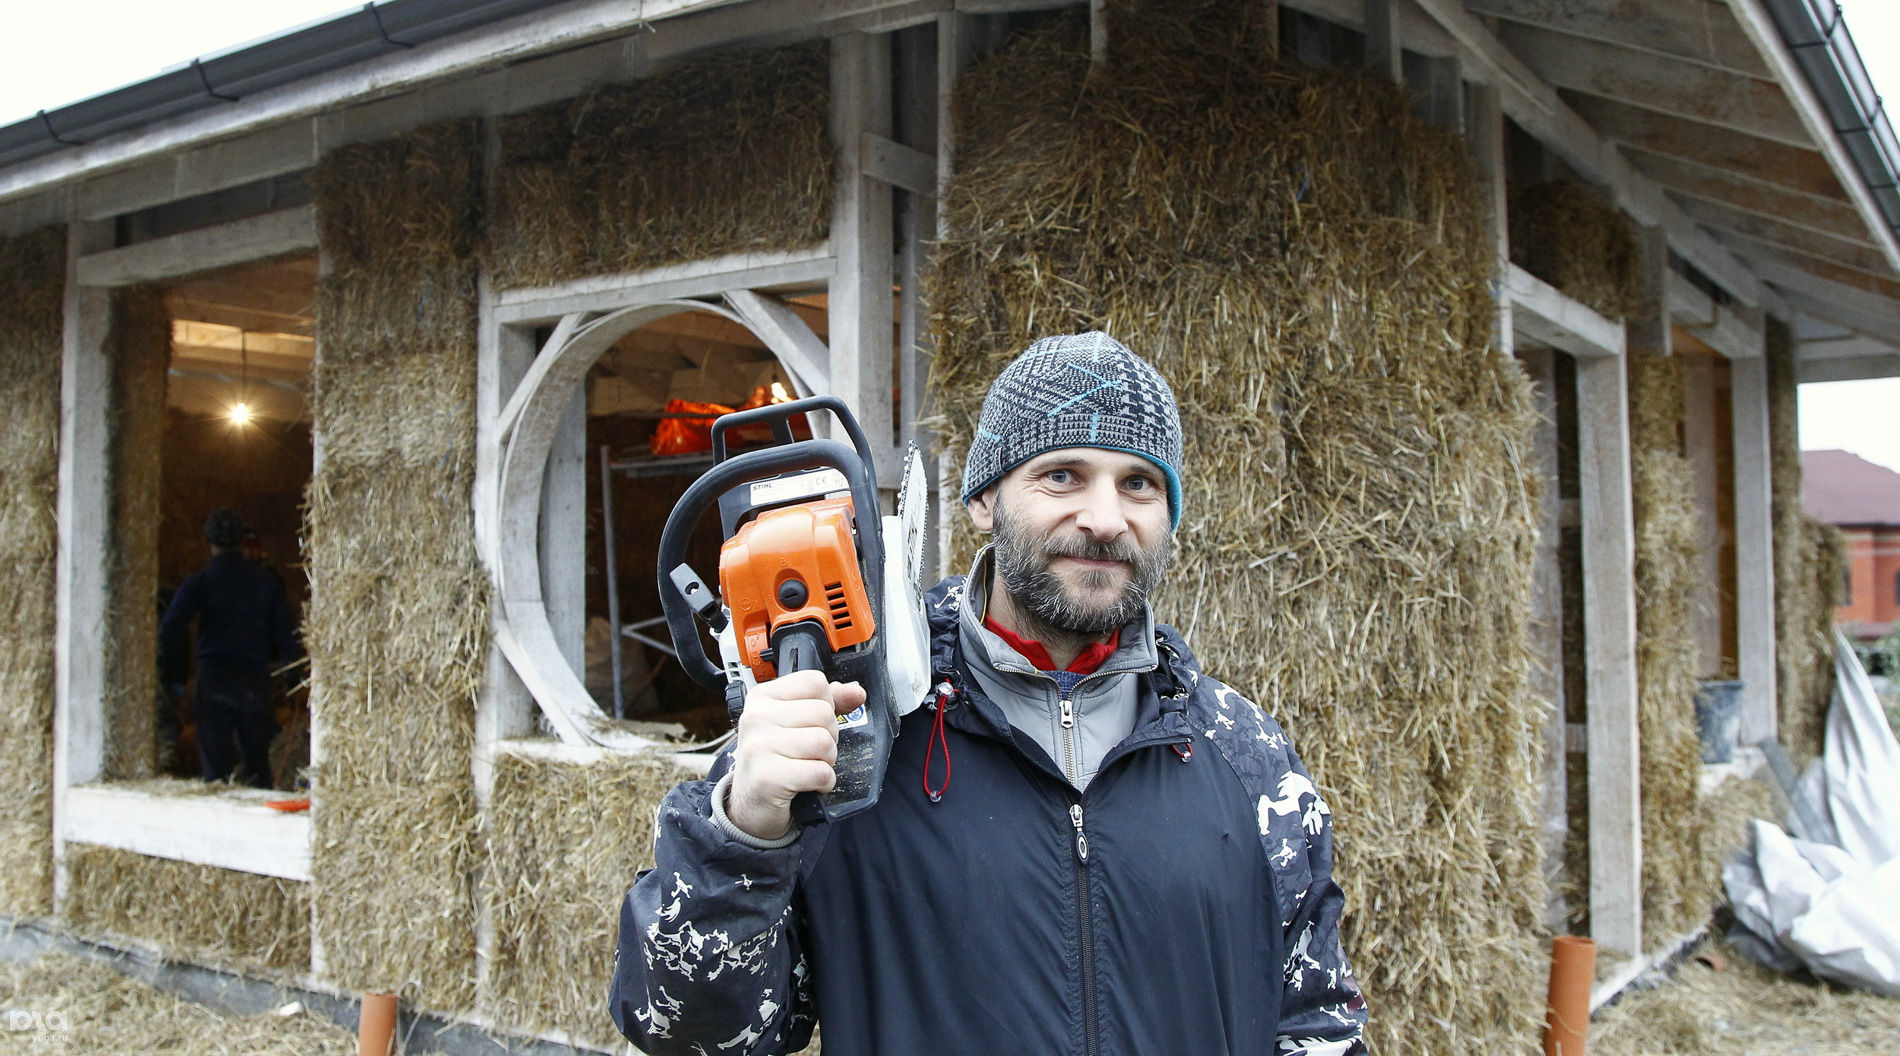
x,y
1718,719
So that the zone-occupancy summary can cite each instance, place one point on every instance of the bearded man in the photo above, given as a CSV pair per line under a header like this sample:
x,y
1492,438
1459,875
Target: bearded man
x,y
1132,859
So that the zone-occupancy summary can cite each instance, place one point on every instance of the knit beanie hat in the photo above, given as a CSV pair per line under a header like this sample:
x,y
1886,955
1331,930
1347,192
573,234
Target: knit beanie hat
x,y
1076,390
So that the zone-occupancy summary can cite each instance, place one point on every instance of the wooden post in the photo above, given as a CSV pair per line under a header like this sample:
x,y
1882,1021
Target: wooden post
x,y
564,534
85,527
1609,600
1487,153
503,707
1609,616
1547,628
860,307
1702,445
1754,548
1384,39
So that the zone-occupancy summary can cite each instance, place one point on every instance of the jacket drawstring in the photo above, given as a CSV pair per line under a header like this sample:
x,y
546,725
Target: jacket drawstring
x,y
937,736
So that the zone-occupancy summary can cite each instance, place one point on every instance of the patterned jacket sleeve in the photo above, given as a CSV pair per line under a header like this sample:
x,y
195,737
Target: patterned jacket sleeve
x,y
710,955
1323,1012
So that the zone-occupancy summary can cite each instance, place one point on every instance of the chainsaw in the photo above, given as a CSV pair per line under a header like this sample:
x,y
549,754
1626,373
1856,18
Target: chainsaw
x,y
811,578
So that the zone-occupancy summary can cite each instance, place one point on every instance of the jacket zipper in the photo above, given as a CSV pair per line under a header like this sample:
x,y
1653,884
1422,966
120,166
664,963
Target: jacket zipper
x,y
1085,930
1071,765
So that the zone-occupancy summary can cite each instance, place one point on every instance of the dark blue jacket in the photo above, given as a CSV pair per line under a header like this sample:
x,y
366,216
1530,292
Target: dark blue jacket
x,y
243,622
1183,904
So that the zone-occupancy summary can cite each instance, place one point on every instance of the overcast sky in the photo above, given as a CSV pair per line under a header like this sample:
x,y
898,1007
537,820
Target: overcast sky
x,y
68,50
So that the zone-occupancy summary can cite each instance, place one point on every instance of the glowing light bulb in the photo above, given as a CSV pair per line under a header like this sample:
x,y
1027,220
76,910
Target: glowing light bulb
x,y
240,413
779,395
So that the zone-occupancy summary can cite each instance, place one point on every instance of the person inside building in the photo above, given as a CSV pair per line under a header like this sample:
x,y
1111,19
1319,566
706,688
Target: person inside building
x,y
245,634
1131,857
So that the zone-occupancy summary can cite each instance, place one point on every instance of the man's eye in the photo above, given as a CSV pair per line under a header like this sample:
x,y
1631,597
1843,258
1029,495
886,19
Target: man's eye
x,y
1139,484
1058,476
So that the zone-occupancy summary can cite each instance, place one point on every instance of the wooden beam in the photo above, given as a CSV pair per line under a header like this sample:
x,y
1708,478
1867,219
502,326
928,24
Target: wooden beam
x,y
1700,31
83,509
32,212
1486,140
1760,27
1831,216
230,830
259,155
1537,108
206,249
1848,253
564,534
1655,82
1542,312
805,355
898,165
861,319
1802,169
1546,630
1728,332
1754,546
1609,617
540,305
1852,298
1385,40
1857,369
1705,449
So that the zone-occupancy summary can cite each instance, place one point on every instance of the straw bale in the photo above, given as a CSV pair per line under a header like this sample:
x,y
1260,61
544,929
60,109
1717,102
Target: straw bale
x,y
188,911
397,625
1808,559
141,343
1678,891
1306,263
32,286
725,153
77,1005
564,842
1743,1010
1569,236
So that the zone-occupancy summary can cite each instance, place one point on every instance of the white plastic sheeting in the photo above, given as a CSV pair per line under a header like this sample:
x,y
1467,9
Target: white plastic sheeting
x,y
1831,901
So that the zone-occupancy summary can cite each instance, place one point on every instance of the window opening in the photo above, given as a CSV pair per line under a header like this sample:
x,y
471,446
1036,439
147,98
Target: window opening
x,y
650,402
237,436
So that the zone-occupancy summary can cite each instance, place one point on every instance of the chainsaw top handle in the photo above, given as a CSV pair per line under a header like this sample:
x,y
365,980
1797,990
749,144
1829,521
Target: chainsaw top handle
x,y
742,470
779,417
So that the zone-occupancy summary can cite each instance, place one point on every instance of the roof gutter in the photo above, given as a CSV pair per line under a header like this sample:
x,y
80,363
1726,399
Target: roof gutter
x,y
389,48
1817,37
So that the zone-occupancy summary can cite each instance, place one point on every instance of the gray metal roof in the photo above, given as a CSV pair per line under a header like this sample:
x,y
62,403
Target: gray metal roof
x,y
224,78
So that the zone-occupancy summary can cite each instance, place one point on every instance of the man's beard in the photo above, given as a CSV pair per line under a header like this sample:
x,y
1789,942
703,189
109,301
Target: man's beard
x,y
1038,592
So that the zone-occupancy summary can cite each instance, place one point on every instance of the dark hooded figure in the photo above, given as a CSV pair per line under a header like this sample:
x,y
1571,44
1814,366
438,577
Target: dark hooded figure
x,y
244,633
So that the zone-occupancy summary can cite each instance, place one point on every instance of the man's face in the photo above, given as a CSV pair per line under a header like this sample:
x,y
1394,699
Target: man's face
x,y
1082,537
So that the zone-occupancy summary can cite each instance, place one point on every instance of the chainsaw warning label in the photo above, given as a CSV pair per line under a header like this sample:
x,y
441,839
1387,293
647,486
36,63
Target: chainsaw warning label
x,y
854,718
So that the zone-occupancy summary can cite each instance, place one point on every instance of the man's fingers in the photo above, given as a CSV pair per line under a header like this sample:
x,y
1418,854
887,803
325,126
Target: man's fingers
x,y
846,696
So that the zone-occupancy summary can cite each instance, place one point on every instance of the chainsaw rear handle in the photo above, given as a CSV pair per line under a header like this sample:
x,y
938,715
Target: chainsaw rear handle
x,y
741,470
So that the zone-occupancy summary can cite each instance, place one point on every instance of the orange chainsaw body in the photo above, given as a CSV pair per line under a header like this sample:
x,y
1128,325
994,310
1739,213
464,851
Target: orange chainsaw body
x,y
809,543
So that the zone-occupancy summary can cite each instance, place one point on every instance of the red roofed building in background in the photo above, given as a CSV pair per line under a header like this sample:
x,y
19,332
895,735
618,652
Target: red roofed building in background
x,y
1862,499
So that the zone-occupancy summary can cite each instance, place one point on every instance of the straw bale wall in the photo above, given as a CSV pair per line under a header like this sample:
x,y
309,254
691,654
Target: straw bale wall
x,y
721,154
398,622
32,286
1567,235
1307,264
564,842
141,344
1808,559
1678,887
190,912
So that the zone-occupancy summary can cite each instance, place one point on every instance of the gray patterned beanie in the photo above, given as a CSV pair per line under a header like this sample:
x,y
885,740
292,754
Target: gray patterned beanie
x,y
1080,390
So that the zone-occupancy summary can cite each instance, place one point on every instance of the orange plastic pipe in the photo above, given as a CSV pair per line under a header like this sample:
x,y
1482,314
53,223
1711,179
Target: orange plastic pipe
x,y
1573,968
376,1028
